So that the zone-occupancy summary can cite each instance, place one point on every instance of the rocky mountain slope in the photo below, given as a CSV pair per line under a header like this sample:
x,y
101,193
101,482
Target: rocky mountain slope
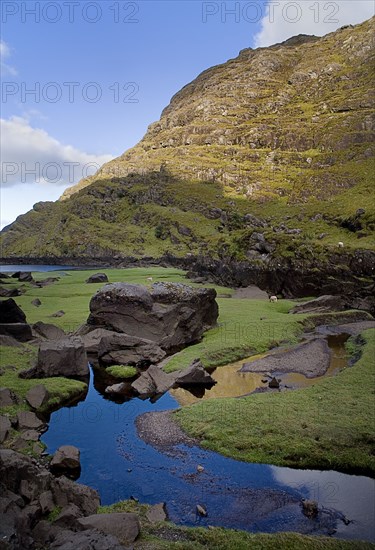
x,y
266,159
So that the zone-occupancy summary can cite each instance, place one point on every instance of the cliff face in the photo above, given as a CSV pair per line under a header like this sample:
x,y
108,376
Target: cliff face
x,y
276,121
269,156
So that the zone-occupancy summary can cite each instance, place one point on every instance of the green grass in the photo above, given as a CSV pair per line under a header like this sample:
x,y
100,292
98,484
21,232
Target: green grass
x,y
327,426
15,360
245,327
122,371
165,535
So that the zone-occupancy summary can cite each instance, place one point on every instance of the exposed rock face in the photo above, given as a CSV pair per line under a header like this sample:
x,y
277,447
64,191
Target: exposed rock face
x,y
170,314
62,358
311,359
323,304
5,427
122,349
30,493
97,278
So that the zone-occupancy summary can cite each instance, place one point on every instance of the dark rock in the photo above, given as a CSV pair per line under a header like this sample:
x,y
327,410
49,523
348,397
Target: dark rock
x,y
153,381
37,396
310,508
65,492
48,281
8,293
117,389
172,315
9,341
10,312
91,338
85,540
323,304
68,516
66,461
36,302
44,533
29,420
157,513
121,349
97,278
25,277
59,313
7,397
194,374
19,331
311,358
274,383
4,275
5,427
65,357
124,526
48,331
46,502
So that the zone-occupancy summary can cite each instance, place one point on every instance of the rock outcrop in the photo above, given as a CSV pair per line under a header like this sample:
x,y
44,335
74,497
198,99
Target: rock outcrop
x,y
323,304
122,349
65,357
171,315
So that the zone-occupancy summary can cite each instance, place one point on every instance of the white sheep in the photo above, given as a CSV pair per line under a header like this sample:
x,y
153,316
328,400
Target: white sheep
x,y
273,299
149,279
340,244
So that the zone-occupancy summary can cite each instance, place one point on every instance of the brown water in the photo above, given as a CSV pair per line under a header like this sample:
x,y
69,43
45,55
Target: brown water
x,y
232,383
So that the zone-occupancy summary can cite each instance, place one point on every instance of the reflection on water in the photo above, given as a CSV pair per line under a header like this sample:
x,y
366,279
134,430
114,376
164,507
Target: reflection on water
x,y
232,383
338,362
229,383
254,497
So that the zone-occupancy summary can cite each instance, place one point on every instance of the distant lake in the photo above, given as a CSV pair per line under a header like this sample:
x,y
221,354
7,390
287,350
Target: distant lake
x,y
10,268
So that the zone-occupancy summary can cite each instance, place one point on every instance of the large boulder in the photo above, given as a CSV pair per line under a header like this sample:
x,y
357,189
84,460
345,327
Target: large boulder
x,y
10,312
97,278
172,315
122,349
323,304
124,526
66,357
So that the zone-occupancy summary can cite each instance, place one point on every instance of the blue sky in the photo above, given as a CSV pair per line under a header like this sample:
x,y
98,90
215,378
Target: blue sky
x,y
103,71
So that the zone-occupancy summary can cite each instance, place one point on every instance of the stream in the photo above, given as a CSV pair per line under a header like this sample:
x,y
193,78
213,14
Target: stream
x,y
239,495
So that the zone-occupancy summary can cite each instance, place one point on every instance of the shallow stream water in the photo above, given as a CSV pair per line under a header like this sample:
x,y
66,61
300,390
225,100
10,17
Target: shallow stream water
x,y
253,497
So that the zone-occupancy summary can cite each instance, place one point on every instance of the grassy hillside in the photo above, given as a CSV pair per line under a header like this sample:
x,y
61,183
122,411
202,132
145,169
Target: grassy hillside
x,y
277,141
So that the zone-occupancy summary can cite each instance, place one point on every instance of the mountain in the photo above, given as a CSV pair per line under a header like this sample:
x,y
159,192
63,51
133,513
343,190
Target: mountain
x,y
266,159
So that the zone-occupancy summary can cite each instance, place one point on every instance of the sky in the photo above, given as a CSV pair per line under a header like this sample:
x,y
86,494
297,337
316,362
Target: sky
x,y
82,80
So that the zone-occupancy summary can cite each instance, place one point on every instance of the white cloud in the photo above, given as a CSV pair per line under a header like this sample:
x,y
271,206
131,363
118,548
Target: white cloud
x,y
4,54
31,156
284,19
